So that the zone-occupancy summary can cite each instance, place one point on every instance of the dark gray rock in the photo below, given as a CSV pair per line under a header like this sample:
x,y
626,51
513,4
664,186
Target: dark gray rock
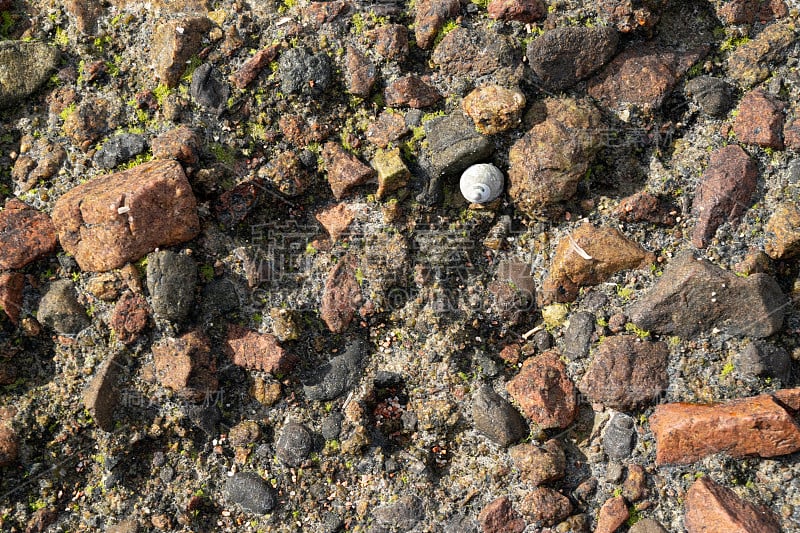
x,y
618,436
461,524
208,89
695,296
563,56
294,444
304,73
496,418
542,340
171,278
251,492
119,149
761,359
578,335
337,376
60,310
24,67
219,297
102,395
331,426
402,514
713,95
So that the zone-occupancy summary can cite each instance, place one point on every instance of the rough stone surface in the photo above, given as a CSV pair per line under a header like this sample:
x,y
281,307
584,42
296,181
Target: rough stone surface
x,y
130,317
618,436
257,351
11,286
545,506
24,67
496,418
332,379
791,130
612,515
388,127
345,171
646,207
102,395
563,56
430,16
410,91
91,119
171,278
519,10
401,515
360,72
759,426
647,525
760,359
59,309
494,109
25,235
39,163
539,465
477,52
500,517
390,41
634,488
9,445
713,95
626,373
750,63
251,492
748,11
233,206
181,143
578,335
287,173
588,256
158,209
713,507
341,297
294,444
304,73
760,120
119,149
172,49
208,89
544,392
548,162
514,290
253,66
693,296
783,231
336,219
186,366
393,174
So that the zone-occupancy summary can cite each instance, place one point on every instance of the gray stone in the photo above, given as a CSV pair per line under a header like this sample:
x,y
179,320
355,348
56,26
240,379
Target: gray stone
x,y
713,95
331,426
208,89
301,72
332,379
402,514
101,396
496,418
694,296
647,525
618,436
24,67
119,149
461,524
220,296
171,278
578,335
761,359
251,492
294,444
60,310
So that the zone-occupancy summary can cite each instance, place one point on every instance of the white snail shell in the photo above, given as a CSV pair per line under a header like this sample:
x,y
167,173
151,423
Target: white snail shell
x,y
482,183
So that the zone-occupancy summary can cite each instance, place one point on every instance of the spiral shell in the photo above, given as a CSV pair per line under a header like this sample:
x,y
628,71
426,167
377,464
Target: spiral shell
x,y
482,183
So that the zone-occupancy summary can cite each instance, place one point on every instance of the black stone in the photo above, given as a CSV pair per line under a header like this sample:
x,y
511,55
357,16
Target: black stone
x,y
337,376
578,336
208,89
304,73
251,492
119,149
171,278
401,515
618,436
294,444
713,95
496,418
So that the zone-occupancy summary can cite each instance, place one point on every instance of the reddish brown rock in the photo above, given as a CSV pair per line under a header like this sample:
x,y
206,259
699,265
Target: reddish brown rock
x,y
388,127
519,10
588,256
612,515
410,91
25,235
494,109
257,351
749,11
626,373
86,13
759,425
39,163
130,317
335,219
646,207
234,205
345,171
89,121
301,133
253,66
9,447
760,120
11,285
360,73
181,143
724,192
631,16
390,41
477,51
111,220
791,129
544,392
341,297
320,13
539,465
783,231
545,506
712,508
429,18
287,173
500,517
635,486
173,45
186,366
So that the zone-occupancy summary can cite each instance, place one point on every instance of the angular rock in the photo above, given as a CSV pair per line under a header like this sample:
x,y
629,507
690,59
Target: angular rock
x,y
388,127
251,492
9,445
59,309
693,296
429,18
563,56
548,162
646,207
39,163
627,373
111,220
181,143
287,173
174,43
119,149
545,506
335,219
171,279
578,335
253,66
257,351
613,513
761,359
90,120
24,67
208,89
234,205
647,525
713,507
11,286
635,486
496,418
477,52
500,517
360,72
713,95
588,256
544,392
760,120
86,13
402,514
294,444
410,91
519,10
341,297
618,436
494,109
791,130
539,465
345,171
130,317
748,11
514,290
186,366
25,235
332,379
303,73
752,62
390,41
630,16
783,231
759,426
101,397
